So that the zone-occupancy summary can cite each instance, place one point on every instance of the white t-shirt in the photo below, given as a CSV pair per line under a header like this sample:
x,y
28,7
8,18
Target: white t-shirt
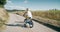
x,y
29,14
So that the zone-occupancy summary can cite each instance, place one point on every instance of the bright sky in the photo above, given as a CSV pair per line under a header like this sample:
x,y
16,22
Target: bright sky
x,y
33,4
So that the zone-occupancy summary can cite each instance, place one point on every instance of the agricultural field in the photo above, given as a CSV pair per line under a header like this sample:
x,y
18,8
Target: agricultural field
x,y
50,17
51,14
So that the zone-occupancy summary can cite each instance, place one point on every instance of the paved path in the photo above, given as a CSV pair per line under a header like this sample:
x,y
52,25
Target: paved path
x,y
16,18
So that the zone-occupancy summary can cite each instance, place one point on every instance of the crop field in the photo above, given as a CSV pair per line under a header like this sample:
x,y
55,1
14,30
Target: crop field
x,y
51,14
54,15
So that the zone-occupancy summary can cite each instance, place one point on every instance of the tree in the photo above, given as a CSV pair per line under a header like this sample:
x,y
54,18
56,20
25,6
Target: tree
x,y
2,3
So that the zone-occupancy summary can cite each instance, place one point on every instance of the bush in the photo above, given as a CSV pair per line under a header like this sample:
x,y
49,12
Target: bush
x,y
2,2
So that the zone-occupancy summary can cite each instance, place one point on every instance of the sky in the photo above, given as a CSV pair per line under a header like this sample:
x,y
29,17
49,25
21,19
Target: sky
x,y
32,4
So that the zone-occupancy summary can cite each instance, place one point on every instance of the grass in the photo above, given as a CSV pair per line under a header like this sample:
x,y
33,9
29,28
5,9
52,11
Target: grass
x,y
3,18
51,14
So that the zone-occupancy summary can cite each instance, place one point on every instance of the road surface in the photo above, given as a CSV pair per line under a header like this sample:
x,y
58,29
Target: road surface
x,y
14,19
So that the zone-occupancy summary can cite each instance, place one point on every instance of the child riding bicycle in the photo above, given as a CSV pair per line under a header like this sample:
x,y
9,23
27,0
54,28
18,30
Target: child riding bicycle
x,y
28,18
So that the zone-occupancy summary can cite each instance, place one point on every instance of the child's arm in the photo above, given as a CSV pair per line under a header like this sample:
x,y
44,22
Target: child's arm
x,y
24,14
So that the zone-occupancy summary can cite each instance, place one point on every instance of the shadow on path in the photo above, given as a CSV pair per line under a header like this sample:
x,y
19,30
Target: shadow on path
x,y
14,25
48,25
19,25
